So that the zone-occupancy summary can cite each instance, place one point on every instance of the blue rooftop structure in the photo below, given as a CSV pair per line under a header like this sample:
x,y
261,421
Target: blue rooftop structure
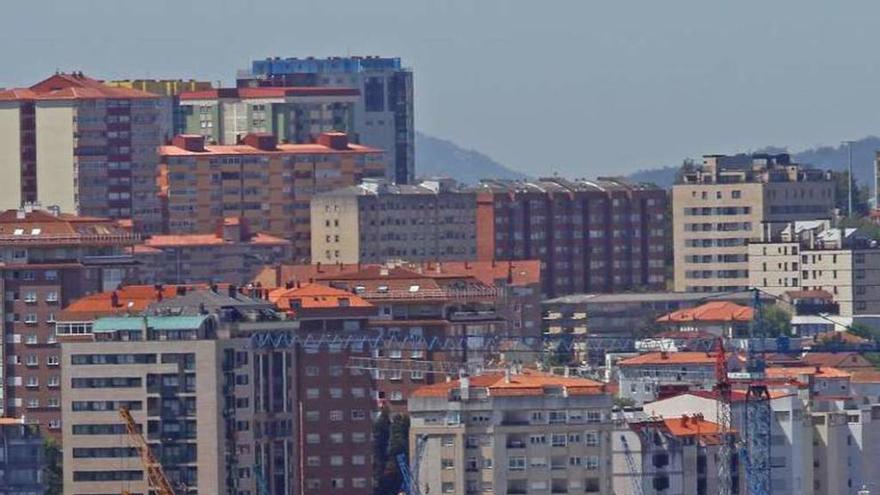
x,y
330,65
134,323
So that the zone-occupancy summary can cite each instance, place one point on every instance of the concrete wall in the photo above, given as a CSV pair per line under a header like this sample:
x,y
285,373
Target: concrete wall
x,y
10,155
55,158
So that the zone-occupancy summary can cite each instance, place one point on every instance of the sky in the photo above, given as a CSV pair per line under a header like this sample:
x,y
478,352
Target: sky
x,y
577,87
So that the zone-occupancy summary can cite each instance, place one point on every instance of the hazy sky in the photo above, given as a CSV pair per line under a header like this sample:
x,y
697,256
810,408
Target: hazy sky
x,y
582,87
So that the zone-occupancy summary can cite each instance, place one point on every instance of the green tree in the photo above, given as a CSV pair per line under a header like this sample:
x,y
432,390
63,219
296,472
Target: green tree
x,y
861,195
396,442
381,433
777,321
52,473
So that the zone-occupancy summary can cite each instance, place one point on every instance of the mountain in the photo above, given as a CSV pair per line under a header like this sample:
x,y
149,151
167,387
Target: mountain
x,y
828,157
435,156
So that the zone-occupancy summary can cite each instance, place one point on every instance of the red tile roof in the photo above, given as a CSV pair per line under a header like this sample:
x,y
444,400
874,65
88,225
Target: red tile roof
x,y
316,296
710,312
181,240
72,87
836,359
669,358
130,298
842,337
527,383
690,426
267,92
280,149
817,371
866,376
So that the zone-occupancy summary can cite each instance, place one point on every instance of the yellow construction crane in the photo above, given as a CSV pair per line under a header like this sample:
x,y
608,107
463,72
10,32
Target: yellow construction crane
x,y
155,476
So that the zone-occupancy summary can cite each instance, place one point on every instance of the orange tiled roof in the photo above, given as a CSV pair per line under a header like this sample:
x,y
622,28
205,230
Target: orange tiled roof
x,y
160,241
711,311
819,371
866,376
527,383
836,359
72,87
280,149
686,426
139,297
315,296
843,337
669,358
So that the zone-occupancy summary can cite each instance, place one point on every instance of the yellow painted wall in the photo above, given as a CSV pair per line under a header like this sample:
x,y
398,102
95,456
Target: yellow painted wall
x,y
10,156
55,177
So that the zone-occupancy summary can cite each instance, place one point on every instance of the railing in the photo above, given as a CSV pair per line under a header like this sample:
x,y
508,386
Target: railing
x,y
70,239
429,294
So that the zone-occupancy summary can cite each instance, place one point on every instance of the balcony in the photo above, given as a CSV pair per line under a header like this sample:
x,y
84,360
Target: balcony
x,y
516,444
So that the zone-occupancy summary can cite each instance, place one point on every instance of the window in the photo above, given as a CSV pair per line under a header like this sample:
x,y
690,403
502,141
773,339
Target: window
x,y
447,463
448,487
53,361
313,393
337,438
359,437
358,414
447,441
335,393
313,415
336,415
591,462
313,438
313,461
591,438
558,440
337,482
358,460
336,460
516,463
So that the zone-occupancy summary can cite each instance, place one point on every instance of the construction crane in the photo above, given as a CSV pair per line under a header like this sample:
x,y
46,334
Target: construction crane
x,y
411,476
722,418
758,412
635,475
156,478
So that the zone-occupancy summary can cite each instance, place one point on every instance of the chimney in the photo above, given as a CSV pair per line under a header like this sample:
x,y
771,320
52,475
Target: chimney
x,y
684,420
507,375
231,290
114,299
465,388
159,292
189,142
334,140
181,290
263,141
664,355
278,275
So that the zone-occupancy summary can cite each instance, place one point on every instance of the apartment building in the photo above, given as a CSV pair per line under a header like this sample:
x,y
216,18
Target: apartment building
x,y
232,255
813,255
517,284
603,235
47,259
223,395
83,146
791,435
376,221
21,458
720,206
169,90
383,112
676,455
652,375
512,434
268,184
845,446
624,314
292,115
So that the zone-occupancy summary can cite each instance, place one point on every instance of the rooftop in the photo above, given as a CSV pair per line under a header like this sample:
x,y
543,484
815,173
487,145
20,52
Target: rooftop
x,y
280,149
183,240
670,358
528,383
73,86
649,297
551,185
267,93
34,226
817,371
715,311
315,296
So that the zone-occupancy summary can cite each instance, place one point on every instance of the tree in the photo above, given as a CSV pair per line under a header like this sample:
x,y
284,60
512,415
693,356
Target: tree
x,y
381,433
861,195
777,321
52,472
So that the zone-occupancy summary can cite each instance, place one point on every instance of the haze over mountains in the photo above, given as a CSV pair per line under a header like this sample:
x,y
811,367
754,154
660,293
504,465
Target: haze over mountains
x,y
436,156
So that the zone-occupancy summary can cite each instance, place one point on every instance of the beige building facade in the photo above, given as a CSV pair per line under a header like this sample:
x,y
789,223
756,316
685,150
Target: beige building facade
x,y
376,221
810,256
511,434
719,208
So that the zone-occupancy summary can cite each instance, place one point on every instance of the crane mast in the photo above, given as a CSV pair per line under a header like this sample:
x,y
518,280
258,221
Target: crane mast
x,y
155,475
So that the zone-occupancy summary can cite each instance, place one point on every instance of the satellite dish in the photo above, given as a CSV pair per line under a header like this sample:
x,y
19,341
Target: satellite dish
x,y
130,304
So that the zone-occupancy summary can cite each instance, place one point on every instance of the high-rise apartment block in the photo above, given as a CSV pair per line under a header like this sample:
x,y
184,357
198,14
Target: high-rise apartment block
x,y
88,148
512,434
225,409
169,90
46,261
270,185
377,221
384,110
233,255
812,255
293,115
604,235
721,206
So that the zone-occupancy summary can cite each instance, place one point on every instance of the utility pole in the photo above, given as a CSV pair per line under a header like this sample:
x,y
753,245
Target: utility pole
x,y
849,211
